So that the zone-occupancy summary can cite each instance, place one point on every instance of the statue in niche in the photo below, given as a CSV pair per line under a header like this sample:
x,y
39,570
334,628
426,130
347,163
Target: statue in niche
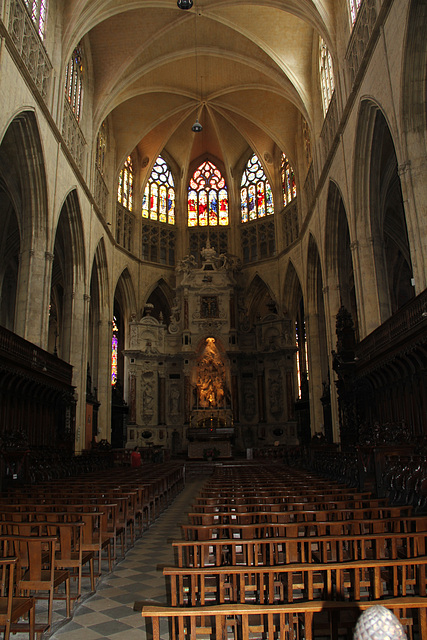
x,y
147,396
211,377
248,399
276,395
174,400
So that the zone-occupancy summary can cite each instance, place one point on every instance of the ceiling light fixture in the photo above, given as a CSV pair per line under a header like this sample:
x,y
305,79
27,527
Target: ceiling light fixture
x,y
197,127
185,4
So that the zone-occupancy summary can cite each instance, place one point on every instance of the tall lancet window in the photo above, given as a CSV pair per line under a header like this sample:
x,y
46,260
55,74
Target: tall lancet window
x,y
301,352
288,181
256,198
158,202
207,197
101,148
327,84
74,82
38,12
354,6
114,351
125,188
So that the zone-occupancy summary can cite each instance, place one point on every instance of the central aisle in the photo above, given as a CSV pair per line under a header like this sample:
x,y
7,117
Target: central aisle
x,y
109,613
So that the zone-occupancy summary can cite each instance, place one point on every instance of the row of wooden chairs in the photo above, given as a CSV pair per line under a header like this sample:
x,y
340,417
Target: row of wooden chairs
x,y
62,530
275,550
270,537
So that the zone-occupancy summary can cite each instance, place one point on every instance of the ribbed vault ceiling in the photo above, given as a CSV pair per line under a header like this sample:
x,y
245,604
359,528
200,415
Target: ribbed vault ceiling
x,y
245,69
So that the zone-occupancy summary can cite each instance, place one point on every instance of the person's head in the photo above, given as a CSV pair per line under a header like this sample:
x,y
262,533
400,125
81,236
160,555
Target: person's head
x,y
135,448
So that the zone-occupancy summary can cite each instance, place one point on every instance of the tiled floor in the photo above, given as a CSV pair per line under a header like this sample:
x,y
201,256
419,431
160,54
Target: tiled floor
x,y
109,612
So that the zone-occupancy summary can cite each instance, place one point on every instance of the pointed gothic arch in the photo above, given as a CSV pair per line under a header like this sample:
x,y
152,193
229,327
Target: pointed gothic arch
x,y
414,76
22,168
259,299
161,297
339,269
98,308
24,221
380,215
68,273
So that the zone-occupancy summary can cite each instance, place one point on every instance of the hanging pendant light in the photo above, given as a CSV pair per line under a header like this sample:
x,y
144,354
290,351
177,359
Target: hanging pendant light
x,y
197,127
185,4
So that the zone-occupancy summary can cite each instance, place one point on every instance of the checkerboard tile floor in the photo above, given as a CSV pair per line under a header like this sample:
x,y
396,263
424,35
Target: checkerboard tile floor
x,y
109,612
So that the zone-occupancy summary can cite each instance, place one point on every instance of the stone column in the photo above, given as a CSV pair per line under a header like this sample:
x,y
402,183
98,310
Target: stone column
x,y
132,398
235,398
187,399
332,304
315,371
104,377
33,296
78,357
412,181
371,292
162,399
261,396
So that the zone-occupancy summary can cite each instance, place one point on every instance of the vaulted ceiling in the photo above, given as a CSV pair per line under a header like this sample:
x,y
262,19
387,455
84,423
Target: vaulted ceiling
x,y
243,68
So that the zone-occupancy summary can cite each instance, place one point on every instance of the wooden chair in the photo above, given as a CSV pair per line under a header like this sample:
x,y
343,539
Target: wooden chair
x,y
13,607
36,573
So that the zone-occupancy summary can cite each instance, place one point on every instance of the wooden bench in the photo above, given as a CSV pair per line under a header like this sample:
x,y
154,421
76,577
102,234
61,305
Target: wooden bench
x,y
354,580
296,621
299,549
294,529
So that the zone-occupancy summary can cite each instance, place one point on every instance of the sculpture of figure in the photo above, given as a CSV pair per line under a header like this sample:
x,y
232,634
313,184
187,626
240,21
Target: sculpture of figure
x,y
147,396
187,263
249,400
174,400
211,377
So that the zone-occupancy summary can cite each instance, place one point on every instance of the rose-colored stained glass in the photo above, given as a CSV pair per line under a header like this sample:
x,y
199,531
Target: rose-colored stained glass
x,y
288,181
158,202
207,197
256,198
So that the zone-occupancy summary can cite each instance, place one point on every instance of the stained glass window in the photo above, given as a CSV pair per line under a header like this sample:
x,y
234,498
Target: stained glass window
x,y
101,147
158,202
288,181
354,6
207,197
38,12
256,198
327,84
74,82
114,352
124,191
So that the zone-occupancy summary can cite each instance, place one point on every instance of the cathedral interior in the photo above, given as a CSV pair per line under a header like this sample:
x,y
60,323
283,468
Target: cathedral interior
x,y
214,227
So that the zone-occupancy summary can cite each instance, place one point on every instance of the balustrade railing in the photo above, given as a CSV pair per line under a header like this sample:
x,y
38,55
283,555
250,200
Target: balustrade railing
x,y
125,223
73,136
28,356
309,186
101,191
414,313
361,34
330,126
290,223
29,46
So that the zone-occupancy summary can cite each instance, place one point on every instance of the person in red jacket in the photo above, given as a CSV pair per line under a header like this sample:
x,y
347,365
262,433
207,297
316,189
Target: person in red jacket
x,y
135,458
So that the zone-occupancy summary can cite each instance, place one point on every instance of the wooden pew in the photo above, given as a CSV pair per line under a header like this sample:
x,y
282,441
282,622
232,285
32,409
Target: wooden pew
x,y
296,621
294,529
354,580
272,551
